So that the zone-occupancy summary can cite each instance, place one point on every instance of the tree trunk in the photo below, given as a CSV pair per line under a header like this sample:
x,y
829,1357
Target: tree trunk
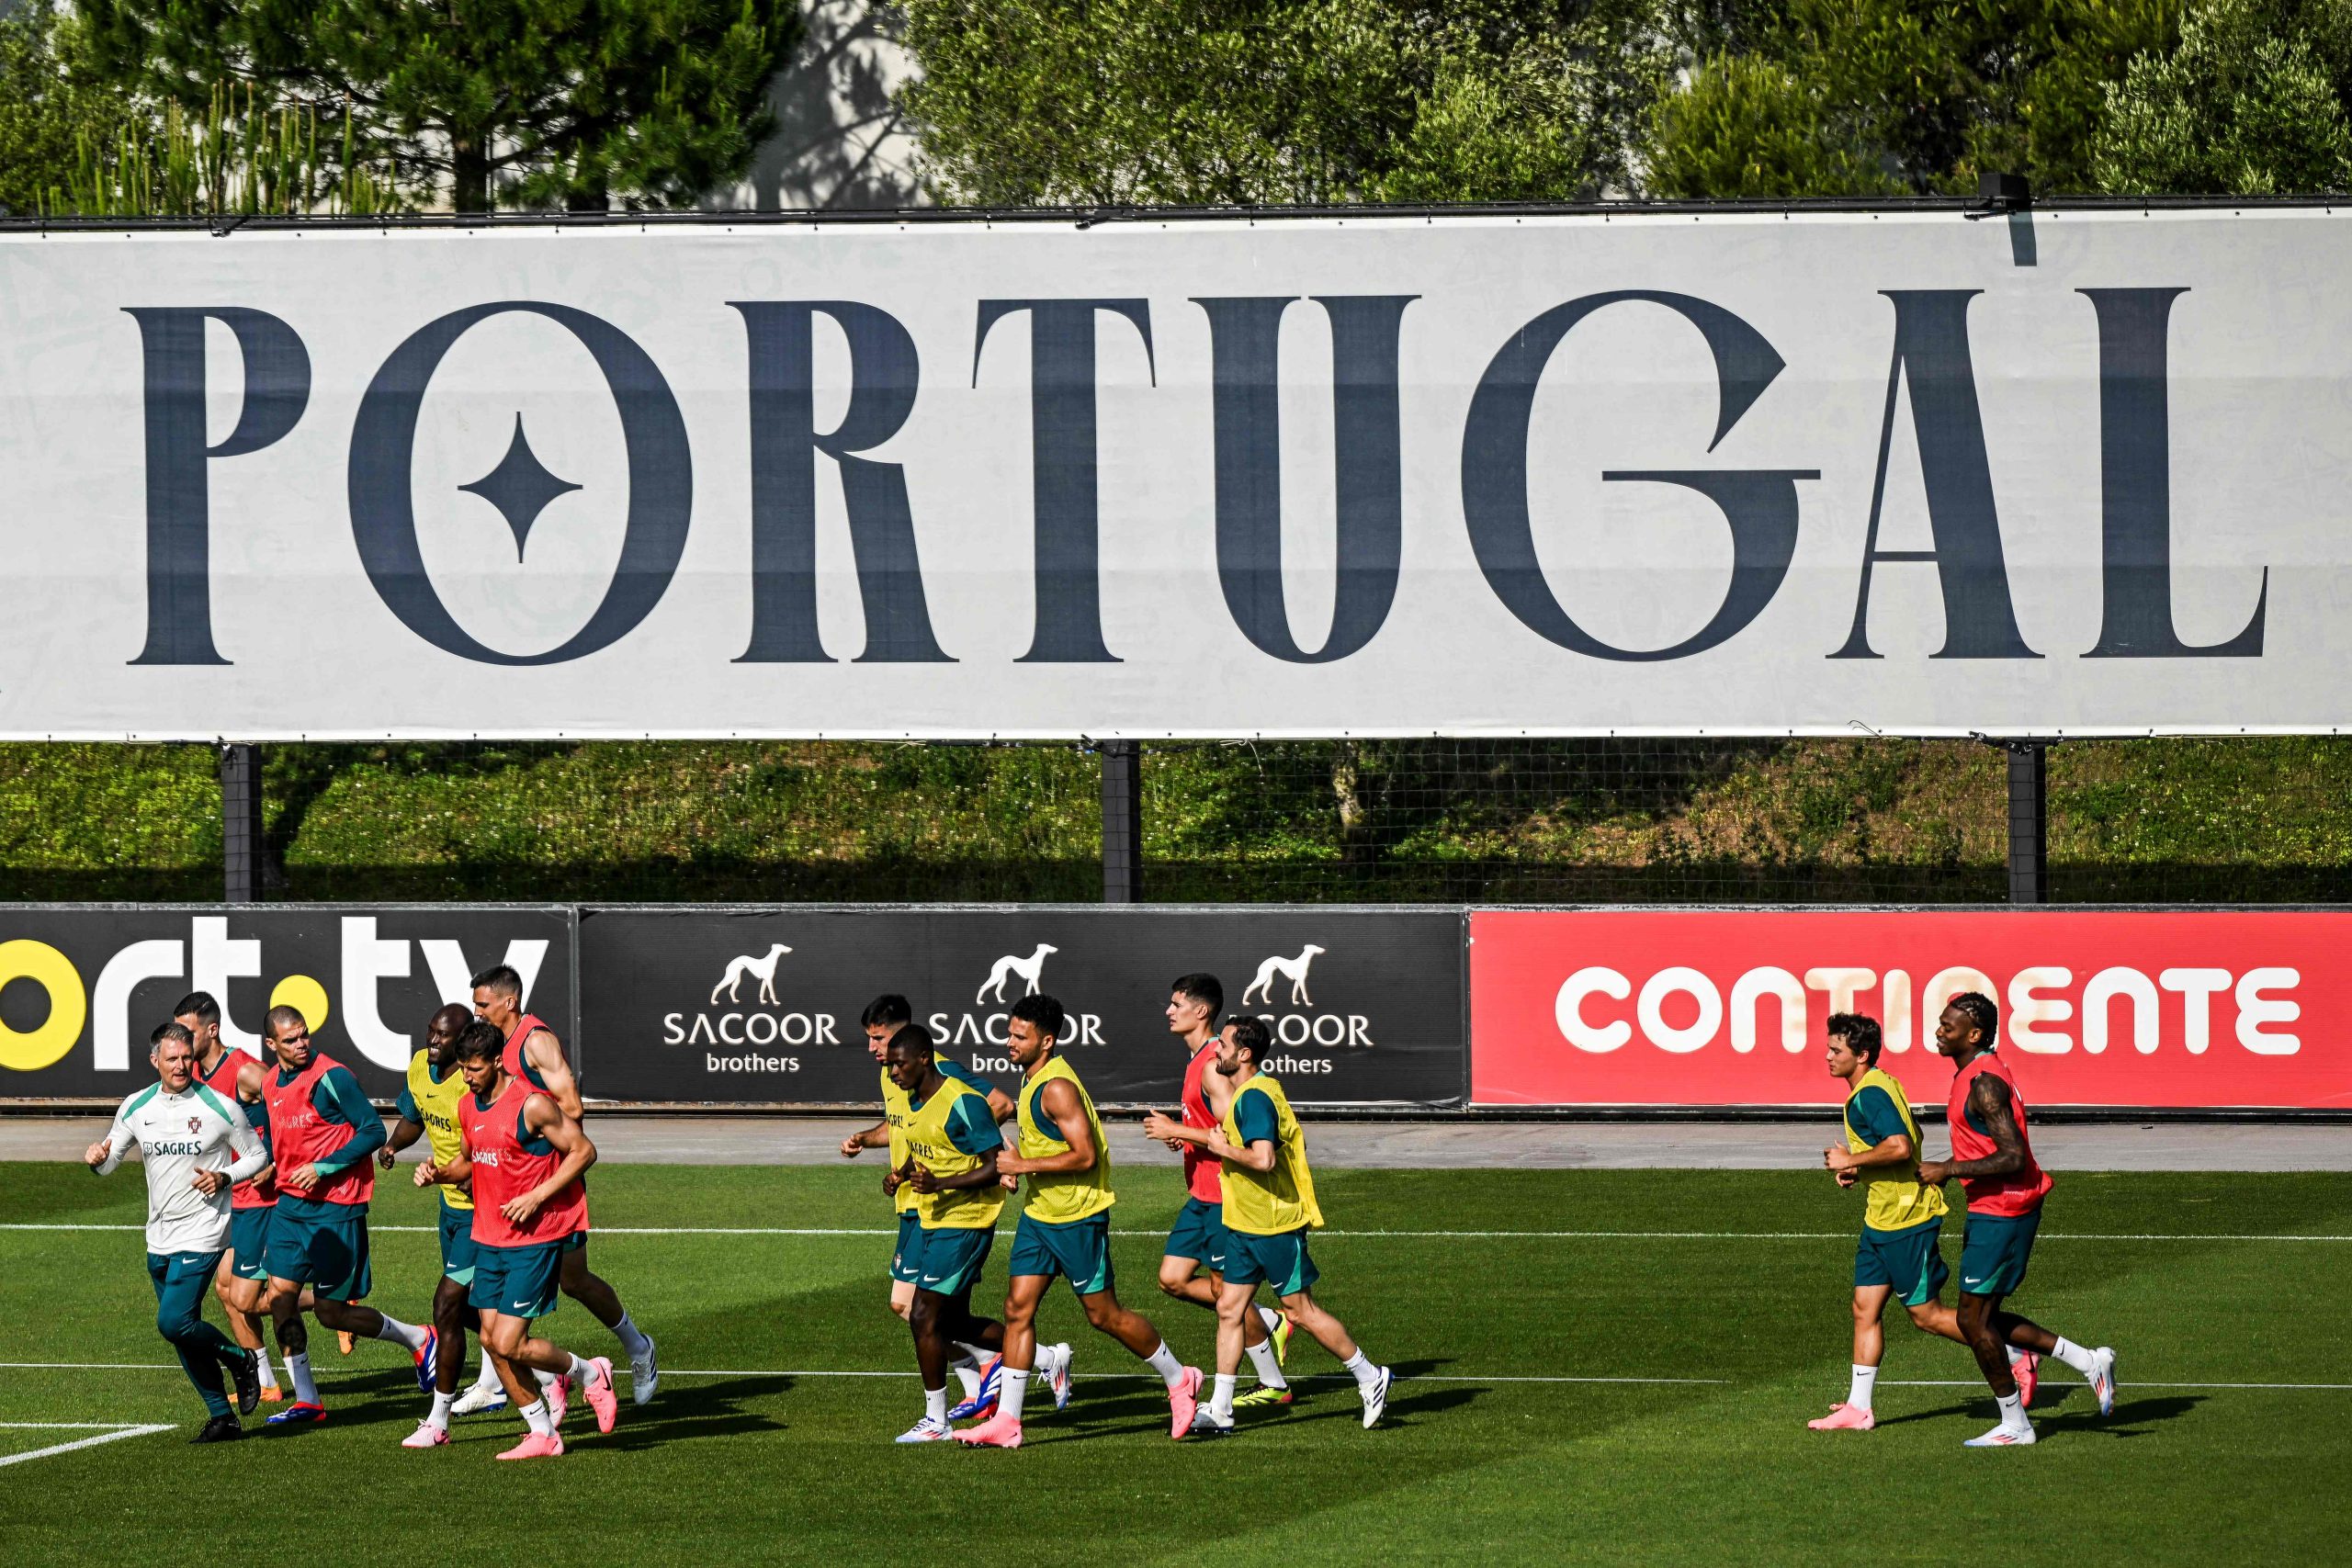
x,y
469,172
1355,846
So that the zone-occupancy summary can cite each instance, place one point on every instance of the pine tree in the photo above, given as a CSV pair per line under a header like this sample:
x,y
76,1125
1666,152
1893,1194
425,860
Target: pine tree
x,y
521,103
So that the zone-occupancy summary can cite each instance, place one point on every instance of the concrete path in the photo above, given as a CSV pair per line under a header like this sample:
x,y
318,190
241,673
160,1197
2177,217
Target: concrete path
x,y
1613,1145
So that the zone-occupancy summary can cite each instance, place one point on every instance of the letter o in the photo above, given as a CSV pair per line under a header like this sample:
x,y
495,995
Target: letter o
x,y
1339,1031
383,510
1690,983
752,1029
28,1051
797,1028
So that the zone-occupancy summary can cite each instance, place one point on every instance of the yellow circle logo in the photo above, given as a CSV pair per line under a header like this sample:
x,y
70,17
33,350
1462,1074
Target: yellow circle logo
x,y
28,1051
305,996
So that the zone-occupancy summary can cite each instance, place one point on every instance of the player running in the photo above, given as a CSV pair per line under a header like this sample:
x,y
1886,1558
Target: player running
x,y
885,1016
1064,1229
1269,1208
197,1143
1198,1239
322,1133
523,1156
428,1109
1994,1165
951,1147
535,1055
236,1076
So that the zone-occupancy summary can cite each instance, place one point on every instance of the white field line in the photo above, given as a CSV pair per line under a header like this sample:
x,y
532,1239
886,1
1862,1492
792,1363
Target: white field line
x,y
112,1432
1147,1377
1320,1235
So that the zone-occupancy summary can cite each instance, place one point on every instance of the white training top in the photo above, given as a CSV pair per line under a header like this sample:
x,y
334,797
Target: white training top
x,y
179,1135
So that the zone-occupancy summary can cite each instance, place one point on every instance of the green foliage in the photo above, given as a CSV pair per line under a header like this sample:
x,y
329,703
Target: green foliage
x,y
530,102
47,116
1863,97
2252,102
228,163
1153,102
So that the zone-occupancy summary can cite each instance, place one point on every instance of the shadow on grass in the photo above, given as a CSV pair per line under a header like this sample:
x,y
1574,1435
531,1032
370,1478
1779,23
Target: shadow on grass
x,y
682,1412
2132,1419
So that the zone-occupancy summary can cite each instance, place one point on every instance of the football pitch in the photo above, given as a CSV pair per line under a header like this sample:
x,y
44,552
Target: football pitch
x,y
1601,1366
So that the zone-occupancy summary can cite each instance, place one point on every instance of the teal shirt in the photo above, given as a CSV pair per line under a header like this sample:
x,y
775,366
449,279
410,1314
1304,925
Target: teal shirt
x,y
1254,1118
1873,1118
970,1127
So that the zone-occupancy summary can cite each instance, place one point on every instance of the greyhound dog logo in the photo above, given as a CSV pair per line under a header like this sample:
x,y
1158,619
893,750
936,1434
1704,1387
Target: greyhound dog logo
x,y
1262,987
764,968
1029,969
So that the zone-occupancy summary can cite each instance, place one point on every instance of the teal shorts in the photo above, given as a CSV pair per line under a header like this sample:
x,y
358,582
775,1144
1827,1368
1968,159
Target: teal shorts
x,y
906,1254
457,1245
1199,1233
1079,1250
518,1282
1908,1259
1994,1251
329,1254
248,1238
1280,1260
950,1259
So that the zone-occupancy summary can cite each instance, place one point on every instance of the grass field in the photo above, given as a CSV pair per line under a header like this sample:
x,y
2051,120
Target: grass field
x,y
1719,1299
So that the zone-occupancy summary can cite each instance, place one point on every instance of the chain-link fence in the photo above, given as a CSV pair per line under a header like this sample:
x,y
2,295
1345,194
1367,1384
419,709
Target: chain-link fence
x,y
2249,820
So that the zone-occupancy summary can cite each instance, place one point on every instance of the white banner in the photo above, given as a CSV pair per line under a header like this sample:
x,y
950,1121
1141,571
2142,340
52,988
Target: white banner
x,y
1761,473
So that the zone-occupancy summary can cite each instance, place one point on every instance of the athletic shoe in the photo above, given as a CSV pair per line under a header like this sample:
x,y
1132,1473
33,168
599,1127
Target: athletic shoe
x,y
558,1397
1845,1418
982,1406
1183,1401
478,1399
1375,1398
2102,1379
343,1340
2027,1370
426,1436
926,1431
1265,1393
425,1370
245,1373
1279,1332
598,1386
1058,1378
538,1445
271,1393
996,1432
299,1415
1206,1425
644,1374
220,1429
2002,1437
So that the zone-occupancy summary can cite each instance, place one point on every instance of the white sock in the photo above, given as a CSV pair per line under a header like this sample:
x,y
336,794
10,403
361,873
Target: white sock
x,y
488,1378
934,1406
631,1337
1221,1403
261,1364
535,1414
581,1372
2073,1355
1270,1371
2012,1411
1858,1392
1361,1365
441,1402
546,1380
401,1333
1011,1393
297,1372
966,1368
1269,1317
1163,1361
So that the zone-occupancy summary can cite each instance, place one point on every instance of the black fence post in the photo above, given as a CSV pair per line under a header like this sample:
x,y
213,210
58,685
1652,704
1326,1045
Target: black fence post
x,y
2029,821
240,845
1122,821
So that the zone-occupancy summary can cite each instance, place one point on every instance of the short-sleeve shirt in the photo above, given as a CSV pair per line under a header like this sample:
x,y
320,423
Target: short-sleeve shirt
x,y
1254,1115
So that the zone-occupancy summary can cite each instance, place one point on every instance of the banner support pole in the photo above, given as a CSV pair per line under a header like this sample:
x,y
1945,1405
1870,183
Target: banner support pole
x,y
2029,821
240,827
1122,821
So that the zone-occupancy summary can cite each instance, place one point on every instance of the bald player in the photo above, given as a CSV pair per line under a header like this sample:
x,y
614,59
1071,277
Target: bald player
x,y
535,1056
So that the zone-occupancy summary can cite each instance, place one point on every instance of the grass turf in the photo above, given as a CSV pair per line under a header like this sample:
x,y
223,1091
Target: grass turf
x,y
733,1463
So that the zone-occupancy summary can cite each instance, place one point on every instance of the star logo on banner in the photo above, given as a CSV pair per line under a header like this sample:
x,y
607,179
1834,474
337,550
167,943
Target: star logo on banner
x,y
520,487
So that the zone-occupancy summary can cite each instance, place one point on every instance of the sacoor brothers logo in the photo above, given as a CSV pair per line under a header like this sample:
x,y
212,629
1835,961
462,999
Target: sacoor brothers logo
x,y
753,1026
980,1035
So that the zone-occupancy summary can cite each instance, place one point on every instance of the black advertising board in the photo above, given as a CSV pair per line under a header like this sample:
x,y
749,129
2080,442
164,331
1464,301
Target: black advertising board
x,y
81,987
760,1006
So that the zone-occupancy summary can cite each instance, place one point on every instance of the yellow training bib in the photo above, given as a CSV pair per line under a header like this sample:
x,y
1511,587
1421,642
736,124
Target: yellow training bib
x,y
966,1208
436,1104
1275,1201
1899,1201
1071,1195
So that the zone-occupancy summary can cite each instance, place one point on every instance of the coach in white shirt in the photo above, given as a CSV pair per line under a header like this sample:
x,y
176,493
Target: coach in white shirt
x,y
197,1146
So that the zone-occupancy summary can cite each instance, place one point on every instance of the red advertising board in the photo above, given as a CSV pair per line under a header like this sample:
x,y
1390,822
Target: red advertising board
x,y
1668,1007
